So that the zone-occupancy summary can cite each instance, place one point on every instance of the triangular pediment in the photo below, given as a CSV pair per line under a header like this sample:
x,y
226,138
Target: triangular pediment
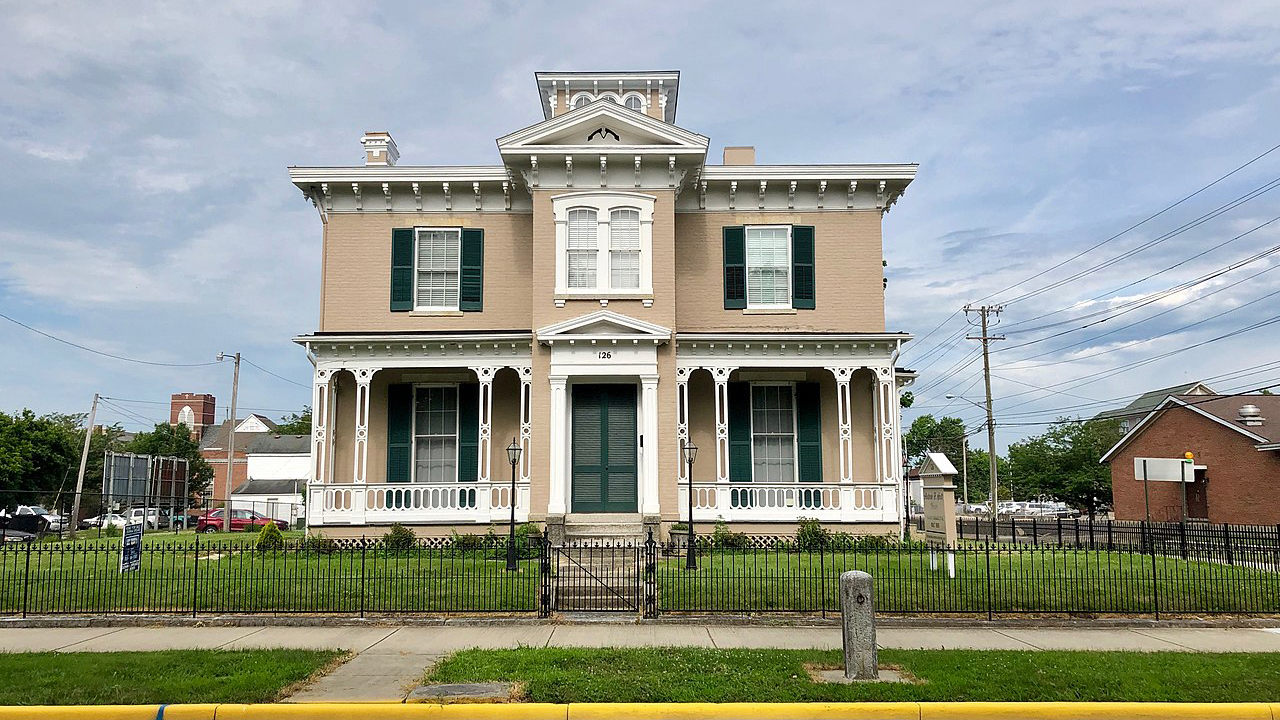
x,y
603,124
936,464
604,324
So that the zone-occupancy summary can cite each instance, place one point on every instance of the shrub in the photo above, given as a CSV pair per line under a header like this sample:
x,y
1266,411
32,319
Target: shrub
x,y
528,536
399,537
112,531
269,538
810,535
250,528
319,544
470,542
679,527
725,539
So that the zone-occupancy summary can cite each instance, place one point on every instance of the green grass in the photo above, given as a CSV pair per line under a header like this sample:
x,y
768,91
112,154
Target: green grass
x,y
162,537
705,675
168,676
1027,581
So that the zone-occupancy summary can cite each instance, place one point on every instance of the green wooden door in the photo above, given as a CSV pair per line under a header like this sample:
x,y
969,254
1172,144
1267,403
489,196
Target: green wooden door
x,y
605,472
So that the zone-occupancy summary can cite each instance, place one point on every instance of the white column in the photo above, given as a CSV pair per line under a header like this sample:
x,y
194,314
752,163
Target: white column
x,y
649,401
559,432
682,419
721,375
844,417
485,413
526,420
320,407
364,376
887,419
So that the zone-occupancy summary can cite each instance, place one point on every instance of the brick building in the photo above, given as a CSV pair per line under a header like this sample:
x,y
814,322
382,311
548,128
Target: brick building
x,y
1235,474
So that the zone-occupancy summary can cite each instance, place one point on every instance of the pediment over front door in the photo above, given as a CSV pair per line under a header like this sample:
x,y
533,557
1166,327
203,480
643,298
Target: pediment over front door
x,y
603,326
602,126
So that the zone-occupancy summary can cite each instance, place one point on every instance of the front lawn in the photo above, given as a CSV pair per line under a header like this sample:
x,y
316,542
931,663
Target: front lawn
x,y
168,676
706,675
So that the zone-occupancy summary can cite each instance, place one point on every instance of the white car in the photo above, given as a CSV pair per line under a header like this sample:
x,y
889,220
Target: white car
x,y
57,523
110,520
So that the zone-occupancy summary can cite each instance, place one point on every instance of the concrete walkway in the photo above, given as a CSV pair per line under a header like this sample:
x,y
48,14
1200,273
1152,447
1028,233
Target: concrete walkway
x,y
390,660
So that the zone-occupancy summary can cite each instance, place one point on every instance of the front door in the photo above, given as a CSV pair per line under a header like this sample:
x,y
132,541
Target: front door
x,y
1197,498
604,448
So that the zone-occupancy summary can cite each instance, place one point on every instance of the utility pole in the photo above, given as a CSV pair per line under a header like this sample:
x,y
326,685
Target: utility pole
x,y
84,460
985,315
231,442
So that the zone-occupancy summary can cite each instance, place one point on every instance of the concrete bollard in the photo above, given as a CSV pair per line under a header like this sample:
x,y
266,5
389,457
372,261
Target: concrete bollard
x,y
858,621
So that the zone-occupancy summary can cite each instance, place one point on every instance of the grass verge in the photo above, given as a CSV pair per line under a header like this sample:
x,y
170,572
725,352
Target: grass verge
x,y
167,676
705,675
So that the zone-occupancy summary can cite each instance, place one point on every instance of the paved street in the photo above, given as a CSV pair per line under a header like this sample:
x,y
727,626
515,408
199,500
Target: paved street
x,y
389,661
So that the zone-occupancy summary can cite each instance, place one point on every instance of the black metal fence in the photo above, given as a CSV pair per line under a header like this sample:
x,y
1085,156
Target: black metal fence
x,y
734,574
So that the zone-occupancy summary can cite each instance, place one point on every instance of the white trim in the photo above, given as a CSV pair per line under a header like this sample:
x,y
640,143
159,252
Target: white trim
x,y
746,264
629,328
1150,417
795,428
861,171
433,309
680,140
457,430
603,203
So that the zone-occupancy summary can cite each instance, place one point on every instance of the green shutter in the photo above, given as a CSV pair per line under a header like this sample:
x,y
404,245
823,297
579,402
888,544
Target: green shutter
x,y
471,283
401,269
735,267
468,432
399,432
802,268
740,431
809,431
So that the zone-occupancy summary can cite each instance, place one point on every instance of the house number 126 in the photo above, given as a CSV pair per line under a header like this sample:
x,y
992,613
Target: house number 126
x,y
606,355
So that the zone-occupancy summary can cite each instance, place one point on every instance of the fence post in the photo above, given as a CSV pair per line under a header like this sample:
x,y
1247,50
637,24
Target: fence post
x,y
822,574
1226,537
1110,540
26,580
1182,537
989,580
1059,531
1155,586
1035,533
544,578
1076,522
363,545
195,578
650,579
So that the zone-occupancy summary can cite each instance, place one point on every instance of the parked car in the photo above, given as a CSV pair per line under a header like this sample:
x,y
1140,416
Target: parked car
x,y
107,520
11,535
156,518
976,509
53,522
240,519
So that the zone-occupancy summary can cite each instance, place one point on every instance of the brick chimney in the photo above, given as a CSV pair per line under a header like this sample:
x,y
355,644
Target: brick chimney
x,y
740,155
380,149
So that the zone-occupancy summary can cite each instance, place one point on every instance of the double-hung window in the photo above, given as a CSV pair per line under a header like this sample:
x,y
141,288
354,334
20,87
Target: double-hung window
x,y
773,433
624,249
436,257
582,248
768,266
435,433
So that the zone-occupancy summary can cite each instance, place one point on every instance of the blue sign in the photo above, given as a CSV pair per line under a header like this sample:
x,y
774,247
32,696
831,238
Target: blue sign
x,y
131,548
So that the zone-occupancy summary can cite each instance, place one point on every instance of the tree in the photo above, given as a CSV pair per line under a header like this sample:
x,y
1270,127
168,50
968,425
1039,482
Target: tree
x,y
908,399
928,434
1064,462
175,441
296,423
37,457
980,477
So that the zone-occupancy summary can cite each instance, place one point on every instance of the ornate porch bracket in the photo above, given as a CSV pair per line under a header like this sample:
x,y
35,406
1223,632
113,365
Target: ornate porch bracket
x,y
364,377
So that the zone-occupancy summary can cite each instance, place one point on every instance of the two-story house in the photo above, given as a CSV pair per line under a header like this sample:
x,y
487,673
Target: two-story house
x,y
603,298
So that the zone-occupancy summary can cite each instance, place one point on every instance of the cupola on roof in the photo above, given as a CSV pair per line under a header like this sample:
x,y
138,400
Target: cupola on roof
x,y
652,93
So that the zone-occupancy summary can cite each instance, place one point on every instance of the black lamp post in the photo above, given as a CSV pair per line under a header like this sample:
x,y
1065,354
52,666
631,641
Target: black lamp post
x,y
513,455
691,558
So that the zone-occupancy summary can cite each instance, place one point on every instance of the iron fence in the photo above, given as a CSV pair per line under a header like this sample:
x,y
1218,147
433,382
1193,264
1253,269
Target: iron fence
x,y
734,574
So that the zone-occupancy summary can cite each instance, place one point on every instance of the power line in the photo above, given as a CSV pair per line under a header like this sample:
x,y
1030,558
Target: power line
x,y
281,377
100,352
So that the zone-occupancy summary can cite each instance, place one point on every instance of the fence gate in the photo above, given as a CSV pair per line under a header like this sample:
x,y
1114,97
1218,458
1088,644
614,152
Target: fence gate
x,y
603,577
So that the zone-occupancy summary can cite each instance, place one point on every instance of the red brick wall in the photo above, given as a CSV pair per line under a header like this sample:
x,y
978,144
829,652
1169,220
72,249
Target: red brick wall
x,y
1243,484
218,489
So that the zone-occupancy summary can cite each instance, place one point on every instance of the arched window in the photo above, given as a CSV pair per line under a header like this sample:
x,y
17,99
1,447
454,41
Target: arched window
x,y
582,248
635,102
186,416
624,249
611,97
581,99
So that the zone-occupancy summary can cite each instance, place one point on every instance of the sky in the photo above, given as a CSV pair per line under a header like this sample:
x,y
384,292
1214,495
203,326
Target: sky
x,y
145,207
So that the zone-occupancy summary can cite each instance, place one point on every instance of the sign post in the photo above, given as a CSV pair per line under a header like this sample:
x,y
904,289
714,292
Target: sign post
x,y
936,477
131,548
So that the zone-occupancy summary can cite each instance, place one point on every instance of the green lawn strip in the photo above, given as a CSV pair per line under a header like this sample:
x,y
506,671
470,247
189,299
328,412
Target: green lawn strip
x,y
167,676
706,675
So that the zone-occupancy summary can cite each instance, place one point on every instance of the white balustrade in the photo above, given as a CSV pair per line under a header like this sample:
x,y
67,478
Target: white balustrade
x,y
375,503
764,502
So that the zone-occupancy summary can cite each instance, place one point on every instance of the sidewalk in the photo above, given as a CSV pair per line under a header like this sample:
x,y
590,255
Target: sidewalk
x,y
390,660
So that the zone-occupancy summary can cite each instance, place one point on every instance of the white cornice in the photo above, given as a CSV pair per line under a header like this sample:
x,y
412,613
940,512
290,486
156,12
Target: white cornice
x,y
792,337
896,172
461,173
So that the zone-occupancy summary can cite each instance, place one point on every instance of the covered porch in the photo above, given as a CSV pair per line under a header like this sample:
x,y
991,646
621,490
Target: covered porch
x,y
415,430
790,427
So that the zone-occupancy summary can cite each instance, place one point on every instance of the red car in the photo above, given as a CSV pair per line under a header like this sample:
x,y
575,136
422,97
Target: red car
x,y
240,519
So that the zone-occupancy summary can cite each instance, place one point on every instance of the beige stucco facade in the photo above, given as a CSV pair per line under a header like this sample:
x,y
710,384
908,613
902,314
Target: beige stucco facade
x,y
532,341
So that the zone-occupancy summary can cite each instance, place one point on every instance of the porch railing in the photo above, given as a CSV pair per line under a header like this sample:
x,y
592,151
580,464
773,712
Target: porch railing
x,y
378,503
828,502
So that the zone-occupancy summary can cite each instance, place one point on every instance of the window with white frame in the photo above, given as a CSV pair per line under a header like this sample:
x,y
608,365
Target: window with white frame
x,y
768,266
634,102
436,256
187,416
773,433
583,230
604,240
435,433
580,100
624,249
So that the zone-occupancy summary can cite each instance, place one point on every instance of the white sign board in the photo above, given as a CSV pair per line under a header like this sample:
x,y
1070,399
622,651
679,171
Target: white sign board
x,y
1163,469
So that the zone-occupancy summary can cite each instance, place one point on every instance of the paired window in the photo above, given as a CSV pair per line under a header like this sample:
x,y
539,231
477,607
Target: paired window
x,y
769,267
187,416
603,243
435,433
437,269
773,433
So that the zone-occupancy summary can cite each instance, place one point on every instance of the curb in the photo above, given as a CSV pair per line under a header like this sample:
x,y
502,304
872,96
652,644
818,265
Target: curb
x,y
663,711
